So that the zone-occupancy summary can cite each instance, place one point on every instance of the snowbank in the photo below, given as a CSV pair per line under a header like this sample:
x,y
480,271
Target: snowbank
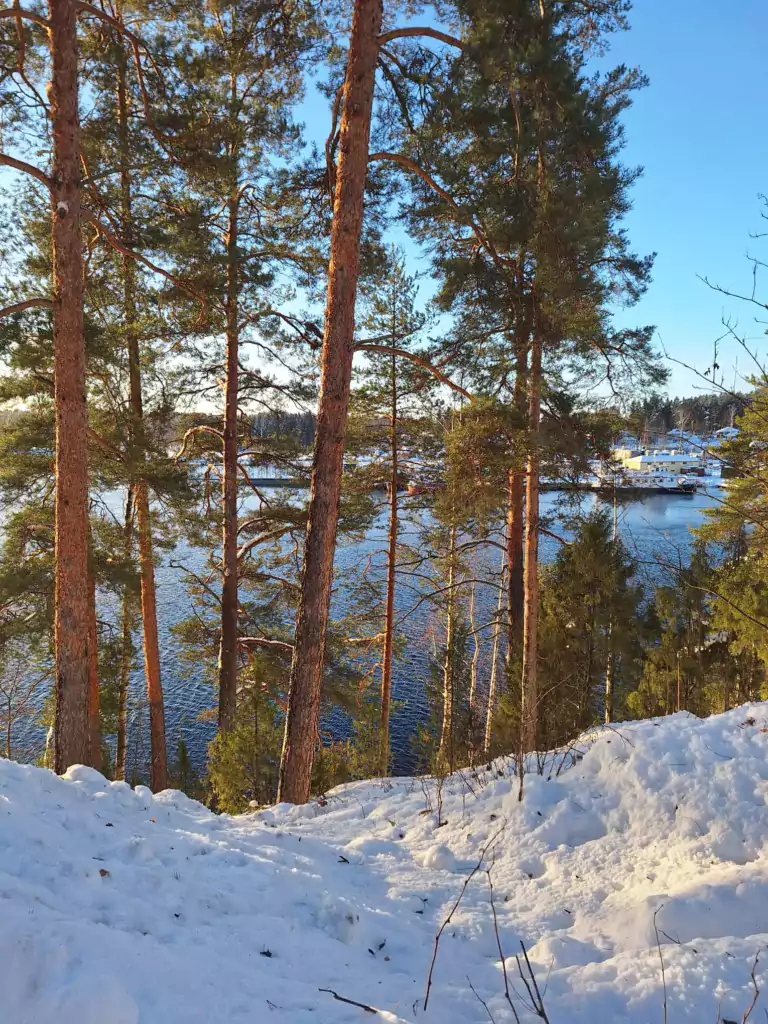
x,y
117,907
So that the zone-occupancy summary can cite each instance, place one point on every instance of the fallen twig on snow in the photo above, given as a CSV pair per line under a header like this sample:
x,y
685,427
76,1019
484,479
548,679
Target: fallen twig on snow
x,y
352,1002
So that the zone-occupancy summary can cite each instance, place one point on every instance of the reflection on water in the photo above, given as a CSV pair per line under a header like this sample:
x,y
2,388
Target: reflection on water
x,y
656,527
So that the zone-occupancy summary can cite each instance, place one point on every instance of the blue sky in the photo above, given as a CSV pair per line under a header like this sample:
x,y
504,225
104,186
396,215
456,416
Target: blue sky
x,y
700,130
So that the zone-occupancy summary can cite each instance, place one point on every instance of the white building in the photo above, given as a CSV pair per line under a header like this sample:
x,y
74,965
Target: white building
x,y
727,433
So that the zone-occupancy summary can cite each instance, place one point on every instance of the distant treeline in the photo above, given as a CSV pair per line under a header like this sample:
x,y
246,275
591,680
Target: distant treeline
x,y
700,414
300,425
272,424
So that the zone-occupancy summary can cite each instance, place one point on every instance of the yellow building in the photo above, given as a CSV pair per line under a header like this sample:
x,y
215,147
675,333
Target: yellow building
x,y
664,462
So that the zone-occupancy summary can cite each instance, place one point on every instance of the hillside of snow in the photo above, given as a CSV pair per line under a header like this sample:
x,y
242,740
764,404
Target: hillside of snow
x,y
120,907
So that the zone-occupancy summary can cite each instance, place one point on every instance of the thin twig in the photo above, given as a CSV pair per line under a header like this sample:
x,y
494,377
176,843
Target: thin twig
x,y
455,907
507,996
481,1001
755,994
661,960
532,986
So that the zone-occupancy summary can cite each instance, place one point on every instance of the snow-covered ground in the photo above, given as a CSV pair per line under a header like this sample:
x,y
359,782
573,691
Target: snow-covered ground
x,y
117,907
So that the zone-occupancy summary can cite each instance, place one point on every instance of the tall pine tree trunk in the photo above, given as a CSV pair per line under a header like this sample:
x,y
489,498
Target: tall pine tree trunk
x,y
158,771
609,661
335,375
446,750
158,755
73,597
515,533
530,692
493,685
389,620
473,733
94,712
229,596
125,653
515,507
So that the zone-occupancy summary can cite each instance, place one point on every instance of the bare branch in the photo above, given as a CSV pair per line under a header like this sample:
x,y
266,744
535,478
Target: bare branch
x,y
455,907
260,641
202,429
351,1002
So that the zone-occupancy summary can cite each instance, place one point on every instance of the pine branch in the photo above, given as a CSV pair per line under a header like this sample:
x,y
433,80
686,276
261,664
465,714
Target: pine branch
x,y
421,31
137,44
20,165
463,216
260,641
110,237
18,12
19,307
202,429
411,357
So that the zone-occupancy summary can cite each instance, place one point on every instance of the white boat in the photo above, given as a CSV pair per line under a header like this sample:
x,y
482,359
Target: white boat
x,y
654,483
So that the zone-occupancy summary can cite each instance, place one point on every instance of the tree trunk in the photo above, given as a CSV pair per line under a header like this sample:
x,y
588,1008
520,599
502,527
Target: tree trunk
x,y
72,591
530,693
158,761
158,756
609,664
125,657
515,532
335,375
389,620
229,597
493,685
473,734
515,505
446,751
609,677
94,715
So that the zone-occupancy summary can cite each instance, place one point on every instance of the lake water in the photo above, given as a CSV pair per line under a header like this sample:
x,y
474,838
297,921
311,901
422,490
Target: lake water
x,y
656,526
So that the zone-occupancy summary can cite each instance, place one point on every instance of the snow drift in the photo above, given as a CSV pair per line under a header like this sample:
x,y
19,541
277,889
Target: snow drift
x,y
120,907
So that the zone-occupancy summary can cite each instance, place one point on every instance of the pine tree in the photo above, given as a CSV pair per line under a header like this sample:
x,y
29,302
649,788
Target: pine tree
x,y
521,219
238,83
388,408
73,594
348,180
